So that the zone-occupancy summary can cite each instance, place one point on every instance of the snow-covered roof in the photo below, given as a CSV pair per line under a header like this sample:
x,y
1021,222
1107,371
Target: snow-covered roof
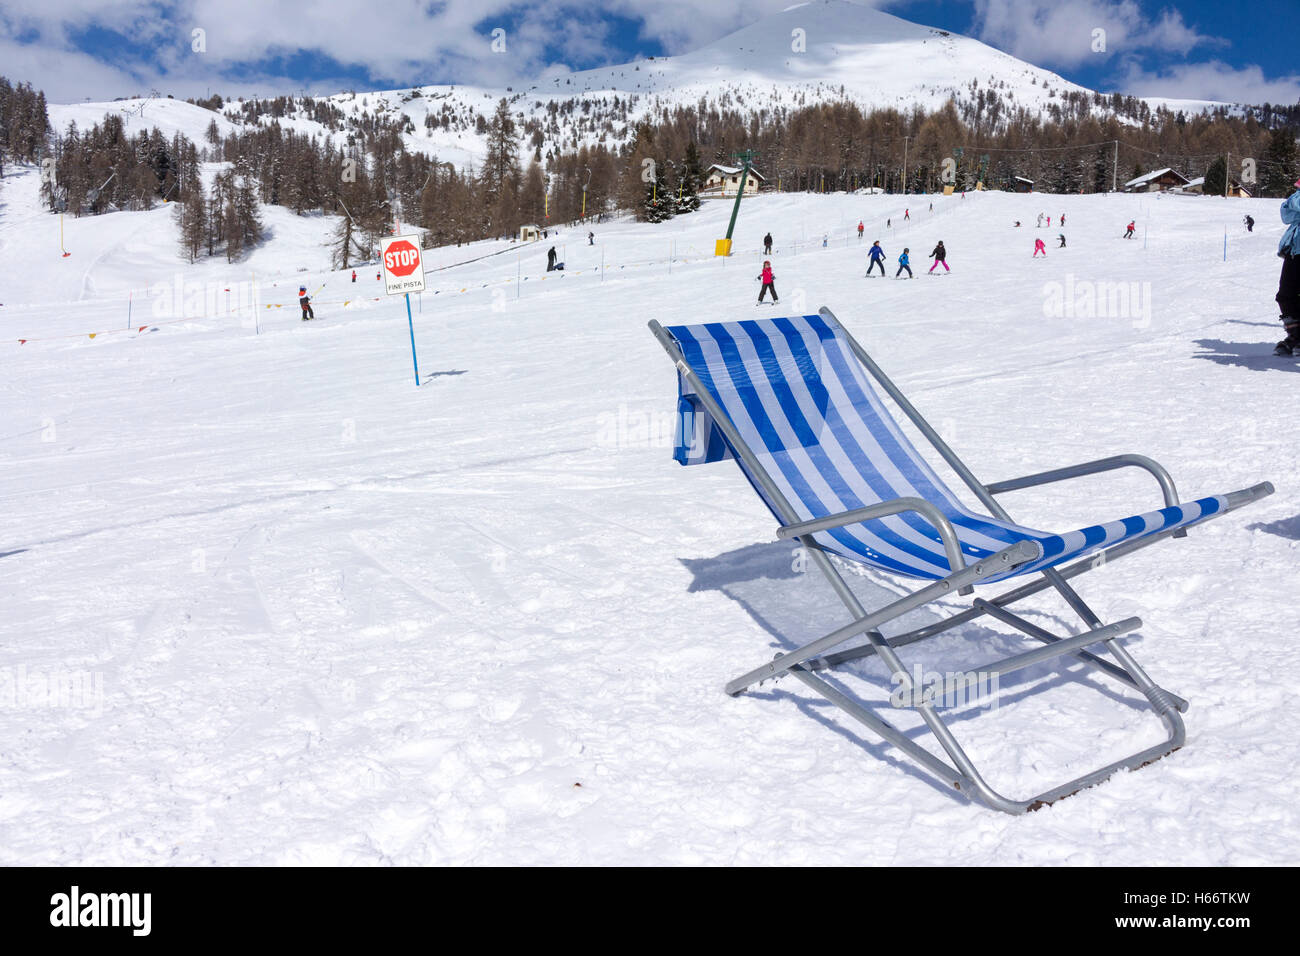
x,y
1198,181
734,170
1152,176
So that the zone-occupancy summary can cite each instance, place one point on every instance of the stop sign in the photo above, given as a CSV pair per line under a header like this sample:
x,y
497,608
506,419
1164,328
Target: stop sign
x,y
403,270
401,258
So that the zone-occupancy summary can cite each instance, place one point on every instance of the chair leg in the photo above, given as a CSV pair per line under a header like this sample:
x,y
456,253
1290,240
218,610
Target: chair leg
x,y
962,774
1039,634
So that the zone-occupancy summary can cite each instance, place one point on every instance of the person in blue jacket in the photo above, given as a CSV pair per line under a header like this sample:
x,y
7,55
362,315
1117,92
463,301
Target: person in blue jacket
x,y
876,257
1288,286
903,263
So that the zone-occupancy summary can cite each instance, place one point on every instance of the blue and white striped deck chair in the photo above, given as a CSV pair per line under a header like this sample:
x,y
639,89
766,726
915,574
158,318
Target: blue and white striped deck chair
x,y
792,401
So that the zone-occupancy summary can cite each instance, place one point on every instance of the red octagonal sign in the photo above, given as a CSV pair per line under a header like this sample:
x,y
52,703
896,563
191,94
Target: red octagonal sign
x,y
401,258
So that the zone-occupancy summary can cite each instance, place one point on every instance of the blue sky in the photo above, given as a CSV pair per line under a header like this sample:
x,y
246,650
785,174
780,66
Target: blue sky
x,y
97,49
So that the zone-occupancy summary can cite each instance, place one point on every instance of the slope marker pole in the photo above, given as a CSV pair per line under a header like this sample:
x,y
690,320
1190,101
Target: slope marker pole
x,y
410,324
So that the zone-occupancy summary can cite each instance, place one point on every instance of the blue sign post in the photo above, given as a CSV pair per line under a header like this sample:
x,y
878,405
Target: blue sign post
x,y
403,267
411,325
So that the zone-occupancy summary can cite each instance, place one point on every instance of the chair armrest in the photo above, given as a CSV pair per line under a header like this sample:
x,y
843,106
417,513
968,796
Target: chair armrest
x,y
922,507
1094,467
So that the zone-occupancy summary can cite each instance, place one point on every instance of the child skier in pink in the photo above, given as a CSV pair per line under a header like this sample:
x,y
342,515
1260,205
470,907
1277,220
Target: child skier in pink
x,y
1039,247
768,278
940,254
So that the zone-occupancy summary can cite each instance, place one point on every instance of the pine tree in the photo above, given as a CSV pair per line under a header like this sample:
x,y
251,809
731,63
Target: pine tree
x,y
691,178
532,195
193,215
500,176
218,200
1216,178
1101,178
1280,166
349,239
247,216
659,203
234,236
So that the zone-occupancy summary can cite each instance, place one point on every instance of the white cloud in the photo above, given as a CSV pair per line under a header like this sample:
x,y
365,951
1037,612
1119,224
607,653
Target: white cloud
x,y
1054,34
1214,80
397,43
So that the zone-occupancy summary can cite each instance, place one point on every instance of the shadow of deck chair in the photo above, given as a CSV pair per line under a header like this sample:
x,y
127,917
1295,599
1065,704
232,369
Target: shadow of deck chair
x,y
790,401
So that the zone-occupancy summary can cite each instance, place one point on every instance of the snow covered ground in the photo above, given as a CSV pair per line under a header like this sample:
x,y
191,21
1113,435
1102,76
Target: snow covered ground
x,y
305,612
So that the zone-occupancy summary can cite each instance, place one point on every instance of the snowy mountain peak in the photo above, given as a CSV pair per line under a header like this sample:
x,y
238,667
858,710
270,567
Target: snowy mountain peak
x,y
810,53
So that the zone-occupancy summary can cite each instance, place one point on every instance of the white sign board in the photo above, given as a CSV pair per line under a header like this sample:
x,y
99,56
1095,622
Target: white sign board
x,y
402,265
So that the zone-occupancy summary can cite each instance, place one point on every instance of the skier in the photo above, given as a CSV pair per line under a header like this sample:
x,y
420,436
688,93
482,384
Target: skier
x,y
825,236
550,259
591,238
1017,223
1039,247
907,214
940,254
354,275
1250,224
767,244
1040,220
304,300
903,263
889,224
1131,226
1288,286
1049,222
877,258
861,227
767,278
1062,238
1062,219
931,207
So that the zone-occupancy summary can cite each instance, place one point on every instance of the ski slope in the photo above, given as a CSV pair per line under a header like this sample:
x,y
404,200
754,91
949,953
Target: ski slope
x,y
318,615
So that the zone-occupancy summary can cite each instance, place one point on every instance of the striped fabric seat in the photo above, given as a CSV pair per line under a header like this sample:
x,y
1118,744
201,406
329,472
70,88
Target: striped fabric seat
x,y
806,408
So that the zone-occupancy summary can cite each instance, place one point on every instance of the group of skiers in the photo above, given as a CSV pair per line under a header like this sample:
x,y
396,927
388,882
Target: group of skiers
x,y
876,254
875,257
